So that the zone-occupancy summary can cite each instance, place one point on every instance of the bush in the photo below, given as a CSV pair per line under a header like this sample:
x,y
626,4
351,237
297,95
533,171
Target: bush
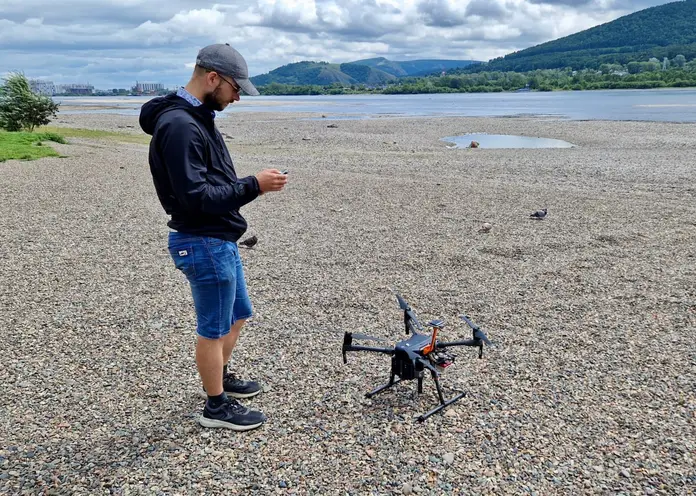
x,y
20,109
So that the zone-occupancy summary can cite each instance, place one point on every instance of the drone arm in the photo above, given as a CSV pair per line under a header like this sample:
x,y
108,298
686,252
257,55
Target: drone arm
x,y
466,342
350,347
388,351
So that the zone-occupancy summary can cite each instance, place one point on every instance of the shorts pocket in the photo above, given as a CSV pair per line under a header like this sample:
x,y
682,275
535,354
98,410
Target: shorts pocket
x,y
183,259
210,241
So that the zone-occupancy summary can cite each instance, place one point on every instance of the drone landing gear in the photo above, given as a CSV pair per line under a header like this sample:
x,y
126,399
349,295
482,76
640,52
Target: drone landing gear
x,y
443,404
391,382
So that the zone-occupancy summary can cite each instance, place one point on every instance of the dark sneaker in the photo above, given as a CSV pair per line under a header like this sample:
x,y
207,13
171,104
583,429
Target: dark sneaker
x,y
237,388
231,415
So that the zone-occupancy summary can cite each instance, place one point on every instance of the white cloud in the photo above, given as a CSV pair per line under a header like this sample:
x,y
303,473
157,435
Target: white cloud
x,y
118,41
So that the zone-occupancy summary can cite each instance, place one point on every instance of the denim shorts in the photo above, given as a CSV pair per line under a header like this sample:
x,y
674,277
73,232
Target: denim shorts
x,y
214,271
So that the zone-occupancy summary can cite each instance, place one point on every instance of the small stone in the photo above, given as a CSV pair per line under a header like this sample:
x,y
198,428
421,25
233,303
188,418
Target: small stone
x,y
282,484
407,488
625,473
448,459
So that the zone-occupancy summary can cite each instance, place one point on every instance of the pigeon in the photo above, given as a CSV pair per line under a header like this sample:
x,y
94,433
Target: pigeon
x,y
249,242
539,214
486,227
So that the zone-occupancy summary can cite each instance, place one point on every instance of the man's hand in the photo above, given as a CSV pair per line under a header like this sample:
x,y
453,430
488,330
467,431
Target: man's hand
x,y
271,180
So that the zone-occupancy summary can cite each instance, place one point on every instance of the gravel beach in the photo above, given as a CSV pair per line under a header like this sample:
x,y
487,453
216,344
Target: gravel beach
x,y
590,389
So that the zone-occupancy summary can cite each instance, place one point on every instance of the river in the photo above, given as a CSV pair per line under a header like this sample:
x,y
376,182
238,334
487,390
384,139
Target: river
x,y
672,105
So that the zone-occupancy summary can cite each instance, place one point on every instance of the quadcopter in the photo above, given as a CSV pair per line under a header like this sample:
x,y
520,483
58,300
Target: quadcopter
x,y
411,357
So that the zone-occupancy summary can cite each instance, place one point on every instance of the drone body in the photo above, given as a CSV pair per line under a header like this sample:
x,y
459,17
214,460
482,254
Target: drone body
x,y
411,357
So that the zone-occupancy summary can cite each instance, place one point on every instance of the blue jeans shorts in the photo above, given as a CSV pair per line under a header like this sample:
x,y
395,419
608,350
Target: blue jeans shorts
x,y
216,276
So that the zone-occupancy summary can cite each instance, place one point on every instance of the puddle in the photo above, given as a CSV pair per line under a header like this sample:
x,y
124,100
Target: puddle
x,y
505,141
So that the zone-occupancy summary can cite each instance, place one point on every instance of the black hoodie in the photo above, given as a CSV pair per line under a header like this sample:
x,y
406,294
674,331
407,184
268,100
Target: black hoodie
x,y
192,170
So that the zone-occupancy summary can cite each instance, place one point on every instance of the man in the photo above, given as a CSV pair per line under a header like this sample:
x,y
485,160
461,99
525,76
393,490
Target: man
x,y
198,187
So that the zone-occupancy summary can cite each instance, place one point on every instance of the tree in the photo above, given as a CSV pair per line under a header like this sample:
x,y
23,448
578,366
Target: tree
x,y
633,67
20,108
679,60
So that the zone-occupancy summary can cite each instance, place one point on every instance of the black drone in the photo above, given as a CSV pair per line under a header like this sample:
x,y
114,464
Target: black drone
x,y
411,357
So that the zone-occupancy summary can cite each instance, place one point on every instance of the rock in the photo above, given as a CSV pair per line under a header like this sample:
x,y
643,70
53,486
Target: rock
x,y
407,488
625,473
448,459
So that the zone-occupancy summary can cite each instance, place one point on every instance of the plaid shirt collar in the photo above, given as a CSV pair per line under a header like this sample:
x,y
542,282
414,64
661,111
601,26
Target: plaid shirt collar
x,y
181,92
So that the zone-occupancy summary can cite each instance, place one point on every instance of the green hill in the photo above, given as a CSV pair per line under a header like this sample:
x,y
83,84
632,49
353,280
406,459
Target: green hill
x,y
323,74
414,67
369,71
663,31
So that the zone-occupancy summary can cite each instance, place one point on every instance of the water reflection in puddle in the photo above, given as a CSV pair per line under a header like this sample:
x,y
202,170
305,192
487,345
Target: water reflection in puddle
x,y
505,141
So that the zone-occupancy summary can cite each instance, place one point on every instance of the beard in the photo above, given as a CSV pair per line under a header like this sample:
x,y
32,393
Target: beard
x,y
212,101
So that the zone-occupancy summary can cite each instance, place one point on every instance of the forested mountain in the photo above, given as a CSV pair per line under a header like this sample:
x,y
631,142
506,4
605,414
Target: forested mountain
x,y
663,31
323,73
413,67
369,71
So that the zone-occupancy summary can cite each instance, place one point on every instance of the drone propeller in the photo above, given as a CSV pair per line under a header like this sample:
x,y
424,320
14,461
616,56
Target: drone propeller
x,y
478,333
409,315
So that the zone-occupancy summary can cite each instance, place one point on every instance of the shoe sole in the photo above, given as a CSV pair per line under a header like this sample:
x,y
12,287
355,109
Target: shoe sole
x,y
239,396
242,395
206,422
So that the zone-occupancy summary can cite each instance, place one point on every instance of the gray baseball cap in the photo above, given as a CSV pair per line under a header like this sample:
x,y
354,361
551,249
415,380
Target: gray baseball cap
x,y
227,61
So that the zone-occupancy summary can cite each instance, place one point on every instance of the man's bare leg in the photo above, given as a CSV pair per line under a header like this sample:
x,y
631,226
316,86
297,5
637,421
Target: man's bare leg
x,y
209,359
230,341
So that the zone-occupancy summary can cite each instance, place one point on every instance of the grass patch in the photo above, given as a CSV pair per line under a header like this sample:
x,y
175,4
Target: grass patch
x,y
71,132
27,146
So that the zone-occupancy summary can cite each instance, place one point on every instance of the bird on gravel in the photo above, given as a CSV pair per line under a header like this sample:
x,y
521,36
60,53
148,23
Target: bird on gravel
x,y
249,242
538,215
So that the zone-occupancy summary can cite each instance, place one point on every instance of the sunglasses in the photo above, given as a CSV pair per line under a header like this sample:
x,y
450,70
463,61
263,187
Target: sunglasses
x,y
236,88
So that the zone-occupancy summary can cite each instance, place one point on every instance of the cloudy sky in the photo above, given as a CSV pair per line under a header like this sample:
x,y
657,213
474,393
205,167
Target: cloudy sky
x,y
113,43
